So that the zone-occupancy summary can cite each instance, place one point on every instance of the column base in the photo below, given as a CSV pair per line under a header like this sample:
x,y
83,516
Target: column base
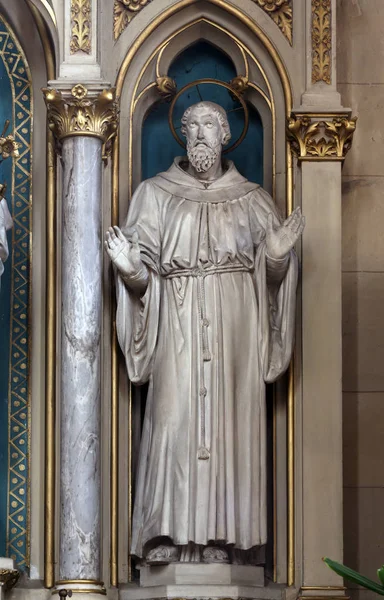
x,y
89,588
323,593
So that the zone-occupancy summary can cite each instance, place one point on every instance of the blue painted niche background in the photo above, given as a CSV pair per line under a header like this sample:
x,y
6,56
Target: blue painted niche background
x,y
15,105
199,61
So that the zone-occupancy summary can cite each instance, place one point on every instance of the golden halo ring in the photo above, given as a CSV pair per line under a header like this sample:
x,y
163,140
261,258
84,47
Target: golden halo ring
x,y
216,82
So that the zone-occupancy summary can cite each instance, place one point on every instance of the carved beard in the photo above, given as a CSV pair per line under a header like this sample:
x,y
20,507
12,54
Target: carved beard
x,y
201,155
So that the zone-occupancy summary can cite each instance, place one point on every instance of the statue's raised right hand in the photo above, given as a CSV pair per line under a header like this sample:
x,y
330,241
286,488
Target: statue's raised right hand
x,y
126,257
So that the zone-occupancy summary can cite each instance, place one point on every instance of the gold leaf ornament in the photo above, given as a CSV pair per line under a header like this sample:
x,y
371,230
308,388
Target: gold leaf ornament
x,y
280,12
166,87
123,13
9,147
321,41
80,26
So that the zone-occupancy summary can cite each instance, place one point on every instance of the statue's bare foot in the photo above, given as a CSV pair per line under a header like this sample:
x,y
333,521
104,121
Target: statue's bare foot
x,y
162,555
213,554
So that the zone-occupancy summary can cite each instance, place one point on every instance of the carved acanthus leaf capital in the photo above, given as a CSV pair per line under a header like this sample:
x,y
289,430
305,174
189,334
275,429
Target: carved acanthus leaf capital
x,y
317,137
82,113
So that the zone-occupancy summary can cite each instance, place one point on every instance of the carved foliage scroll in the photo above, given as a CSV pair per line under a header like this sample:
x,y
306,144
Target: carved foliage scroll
x,y
123,13
281,13
321,41
80,26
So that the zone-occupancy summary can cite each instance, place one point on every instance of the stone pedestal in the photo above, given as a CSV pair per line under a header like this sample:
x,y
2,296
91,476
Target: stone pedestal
x,y
201,574
271,591
196,580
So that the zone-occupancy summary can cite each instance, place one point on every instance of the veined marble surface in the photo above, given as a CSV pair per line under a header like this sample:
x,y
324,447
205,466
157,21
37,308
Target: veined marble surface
x,y
80,370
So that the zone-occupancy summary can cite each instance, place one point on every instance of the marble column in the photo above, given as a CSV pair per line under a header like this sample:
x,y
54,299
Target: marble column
x,y
82,121
80,360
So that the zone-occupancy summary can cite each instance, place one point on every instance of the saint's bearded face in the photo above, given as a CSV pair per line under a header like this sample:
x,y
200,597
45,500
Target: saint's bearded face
x,y
204,138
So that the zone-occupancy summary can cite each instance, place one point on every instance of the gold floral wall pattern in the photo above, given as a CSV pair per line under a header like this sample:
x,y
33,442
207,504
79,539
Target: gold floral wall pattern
x,y
280,12
80,26
321,41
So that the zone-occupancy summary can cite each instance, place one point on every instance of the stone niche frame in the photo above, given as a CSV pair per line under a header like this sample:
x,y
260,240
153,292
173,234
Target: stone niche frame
x,y
137,92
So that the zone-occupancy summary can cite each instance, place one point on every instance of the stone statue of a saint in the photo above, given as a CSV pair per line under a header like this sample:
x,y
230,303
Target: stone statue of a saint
x,y
206,291
6,223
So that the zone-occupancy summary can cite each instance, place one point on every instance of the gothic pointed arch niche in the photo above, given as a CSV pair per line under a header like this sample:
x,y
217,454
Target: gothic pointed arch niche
x,y
142,80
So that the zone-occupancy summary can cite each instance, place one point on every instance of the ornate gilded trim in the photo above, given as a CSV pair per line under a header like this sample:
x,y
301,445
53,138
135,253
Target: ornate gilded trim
x,y
80,26
123,13
321,137
280,12
8,578
80,113
321,41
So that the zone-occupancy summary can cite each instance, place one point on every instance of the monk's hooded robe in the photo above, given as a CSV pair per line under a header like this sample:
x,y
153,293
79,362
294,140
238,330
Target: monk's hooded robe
x,y
215,324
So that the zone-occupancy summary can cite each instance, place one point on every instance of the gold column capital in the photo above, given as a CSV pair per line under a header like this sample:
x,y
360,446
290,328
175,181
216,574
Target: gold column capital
x,y
82,112
320,136
8,578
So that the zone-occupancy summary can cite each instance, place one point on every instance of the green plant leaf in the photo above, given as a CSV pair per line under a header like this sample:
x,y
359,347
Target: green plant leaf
x,y
354,576
380,574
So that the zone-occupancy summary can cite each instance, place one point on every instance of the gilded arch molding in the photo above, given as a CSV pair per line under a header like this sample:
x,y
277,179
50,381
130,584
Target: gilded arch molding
x,y
232,10
280,11
46,21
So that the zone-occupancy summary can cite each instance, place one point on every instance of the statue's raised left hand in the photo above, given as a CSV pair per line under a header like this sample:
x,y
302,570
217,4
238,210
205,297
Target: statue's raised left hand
x,y
281,240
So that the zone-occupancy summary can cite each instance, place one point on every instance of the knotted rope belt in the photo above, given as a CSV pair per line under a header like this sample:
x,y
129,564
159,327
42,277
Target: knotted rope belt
x,y
205,356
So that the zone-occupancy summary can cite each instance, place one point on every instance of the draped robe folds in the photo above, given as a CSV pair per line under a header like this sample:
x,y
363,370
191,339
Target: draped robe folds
x,y
6,223
215,324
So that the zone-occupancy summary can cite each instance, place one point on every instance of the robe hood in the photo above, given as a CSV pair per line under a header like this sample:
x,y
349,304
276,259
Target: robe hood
x,y
230,186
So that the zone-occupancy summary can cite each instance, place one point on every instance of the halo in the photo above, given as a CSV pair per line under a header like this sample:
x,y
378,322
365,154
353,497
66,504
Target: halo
x,y
216,82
